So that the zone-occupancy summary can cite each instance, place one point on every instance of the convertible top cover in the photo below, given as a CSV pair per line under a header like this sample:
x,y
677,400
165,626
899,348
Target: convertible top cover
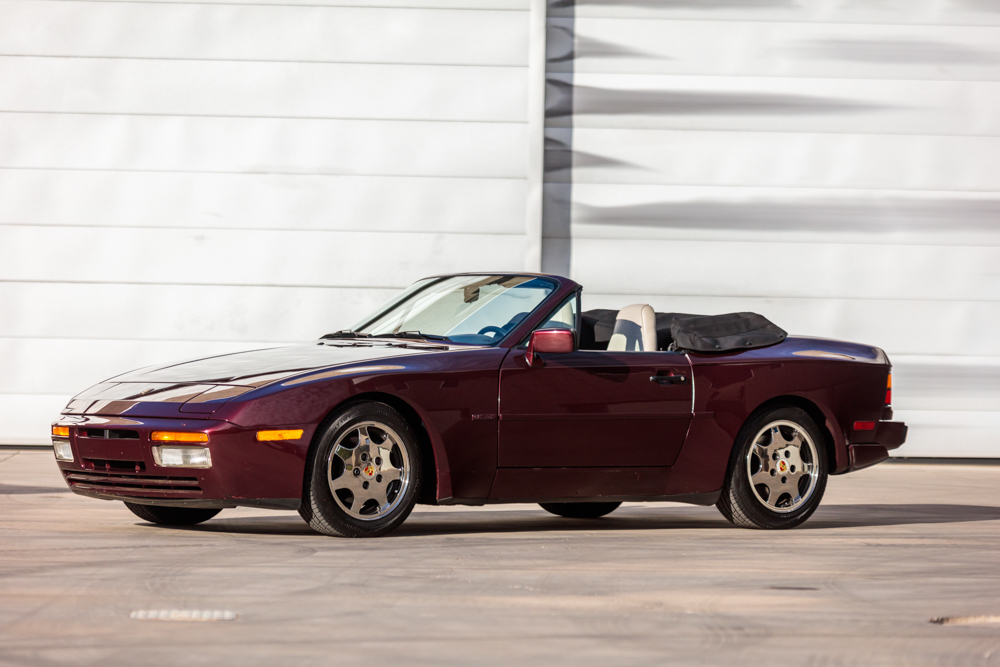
x,y
732,331
699,333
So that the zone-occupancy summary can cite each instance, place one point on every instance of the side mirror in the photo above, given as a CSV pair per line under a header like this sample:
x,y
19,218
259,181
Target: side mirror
x,y
551,341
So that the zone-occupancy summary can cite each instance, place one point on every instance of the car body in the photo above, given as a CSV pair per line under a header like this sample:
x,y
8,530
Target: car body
x,y
495,423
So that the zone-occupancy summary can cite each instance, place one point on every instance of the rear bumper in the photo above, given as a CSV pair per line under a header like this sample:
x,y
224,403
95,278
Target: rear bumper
x,y
244,472
887,436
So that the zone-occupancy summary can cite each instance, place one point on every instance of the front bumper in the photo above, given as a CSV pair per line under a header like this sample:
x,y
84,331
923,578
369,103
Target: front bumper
x,y
887,436
113,460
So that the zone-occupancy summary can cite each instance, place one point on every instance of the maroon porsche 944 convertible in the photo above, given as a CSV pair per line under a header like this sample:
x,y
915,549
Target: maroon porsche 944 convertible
x,y
490,388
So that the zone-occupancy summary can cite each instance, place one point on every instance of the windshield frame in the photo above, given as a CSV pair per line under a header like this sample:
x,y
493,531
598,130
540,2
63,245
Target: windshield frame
x,y
563,287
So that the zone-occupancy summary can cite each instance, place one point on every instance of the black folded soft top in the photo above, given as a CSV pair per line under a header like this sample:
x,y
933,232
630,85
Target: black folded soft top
x,y
684,331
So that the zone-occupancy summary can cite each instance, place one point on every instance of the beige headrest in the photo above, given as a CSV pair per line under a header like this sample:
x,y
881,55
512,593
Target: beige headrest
x,y
635,329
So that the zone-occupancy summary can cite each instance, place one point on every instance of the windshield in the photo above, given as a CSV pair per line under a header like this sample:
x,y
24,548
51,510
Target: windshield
x,y
480,310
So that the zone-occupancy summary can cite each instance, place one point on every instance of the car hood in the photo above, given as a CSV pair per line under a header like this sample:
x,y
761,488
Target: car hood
x,y
202,385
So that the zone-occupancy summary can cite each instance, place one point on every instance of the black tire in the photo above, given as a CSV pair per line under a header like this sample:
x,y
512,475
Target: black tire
x,y
331,515
172,516
580,510
743,502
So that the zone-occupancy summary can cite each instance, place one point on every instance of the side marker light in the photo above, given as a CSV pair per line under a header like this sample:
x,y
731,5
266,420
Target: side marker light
x,y
864,426
288,434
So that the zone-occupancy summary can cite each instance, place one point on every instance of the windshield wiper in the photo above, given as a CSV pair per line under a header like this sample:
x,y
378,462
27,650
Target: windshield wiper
x,y
346,333
412,334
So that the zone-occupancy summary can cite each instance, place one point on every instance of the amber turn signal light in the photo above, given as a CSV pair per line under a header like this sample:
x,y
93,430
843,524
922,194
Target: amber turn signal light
x,y
178,436
60,431
288,434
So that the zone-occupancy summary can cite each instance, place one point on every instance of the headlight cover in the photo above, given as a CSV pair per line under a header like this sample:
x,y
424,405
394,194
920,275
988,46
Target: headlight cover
x,y
63,450
173,456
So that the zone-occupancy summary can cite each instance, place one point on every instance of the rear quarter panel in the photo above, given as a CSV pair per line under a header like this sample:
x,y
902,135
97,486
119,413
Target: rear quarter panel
x,y
839,383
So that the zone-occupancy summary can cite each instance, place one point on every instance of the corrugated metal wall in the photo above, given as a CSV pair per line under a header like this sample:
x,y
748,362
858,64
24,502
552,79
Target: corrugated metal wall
x,y
833,165
187,178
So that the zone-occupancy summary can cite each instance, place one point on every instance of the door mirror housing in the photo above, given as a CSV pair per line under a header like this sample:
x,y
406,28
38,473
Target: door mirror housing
x,y
550,341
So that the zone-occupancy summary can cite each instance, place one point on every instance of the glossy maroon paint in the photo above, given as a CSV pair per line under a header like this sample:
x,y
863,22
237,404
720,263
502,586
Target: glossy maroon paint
x,y
555,341
593,409
237,476
571,425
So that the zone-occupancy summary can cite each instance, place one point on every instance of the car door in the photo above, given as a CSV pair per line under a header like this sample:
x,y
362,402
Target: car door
x,y
593,409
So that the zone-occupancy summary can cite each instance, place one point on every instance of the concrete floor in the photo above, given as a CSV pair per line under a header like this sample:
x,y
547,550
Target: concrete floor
x,y
890,549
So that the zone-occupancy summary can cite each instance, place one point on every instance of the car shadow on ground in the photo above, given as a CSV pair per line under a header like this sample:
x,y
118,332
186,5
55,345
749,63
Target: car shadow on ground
x,y
15,490
856,516
485,520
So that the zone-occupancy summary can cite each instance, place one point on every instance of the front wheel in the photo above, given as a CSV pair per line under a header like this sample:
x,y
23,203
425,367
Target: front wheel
x,y
580,510
363,477
777,472
172,516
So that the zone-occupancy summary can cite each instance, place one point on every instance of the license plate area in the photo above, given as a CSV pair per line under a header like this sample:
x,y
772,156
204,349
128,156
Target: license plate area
x,y
111,450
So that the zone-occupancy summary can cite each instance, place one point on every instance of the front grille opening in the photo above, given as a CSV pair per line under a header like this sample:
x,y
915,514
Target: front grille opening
x,y
129,483
110,433
108,465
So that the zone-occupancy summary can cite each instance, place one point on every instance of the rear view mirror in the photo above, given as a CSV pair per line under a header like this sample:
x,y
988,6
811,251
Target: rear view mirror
x,y
551,341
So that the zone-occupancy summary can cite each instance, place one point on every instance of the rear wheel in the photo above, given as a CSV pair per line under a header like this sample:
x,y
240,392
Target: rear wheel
x,y
580,510
172,516
777,472
363,477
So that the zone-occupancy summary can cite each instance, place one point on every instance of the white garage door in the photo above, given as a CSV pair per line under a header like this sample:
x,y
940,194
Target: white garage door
x,y
190,178
832,165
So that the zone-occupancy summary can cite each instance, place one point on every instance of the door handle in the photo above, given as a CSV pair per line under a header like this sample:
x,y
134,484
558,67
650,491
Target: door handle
x,y
668,379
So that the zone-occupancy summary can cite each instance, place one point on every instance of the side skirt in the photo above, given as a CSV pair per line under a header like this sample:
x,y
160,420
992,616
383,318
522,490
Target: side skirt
x,y
703,499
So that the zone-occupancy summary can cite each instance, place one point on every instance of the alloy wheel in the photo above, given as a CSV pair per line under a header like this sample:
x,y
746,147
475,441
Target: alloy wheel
x,y
368,471
782,464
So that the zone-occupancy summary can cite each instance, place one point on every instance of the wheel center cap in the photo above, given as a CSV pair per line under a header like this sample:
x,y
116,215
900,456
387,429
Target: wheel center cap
x,y
782,466
368,471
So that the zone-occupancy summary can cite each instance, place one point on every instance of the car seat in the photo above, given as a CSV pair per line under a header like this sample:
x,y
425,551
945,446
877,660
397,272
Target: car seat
x,y
635,330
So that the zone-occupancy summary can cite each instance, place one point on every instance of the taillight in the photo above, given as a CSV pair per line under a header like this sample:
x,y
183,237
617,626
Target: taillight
x,y
888,390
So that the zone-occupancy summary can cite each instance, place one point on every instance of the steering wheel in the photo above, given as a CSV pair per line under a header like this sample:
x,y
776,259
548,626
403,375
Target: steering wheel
x,y
492,329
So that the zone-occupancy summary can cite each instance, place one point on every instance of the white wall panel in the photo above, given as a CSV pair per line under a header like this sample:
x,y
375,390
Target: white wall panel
x,y
812,270
785,104
506,5
183,312
937,433
255,89
786,48
254,145
262,201
786,214
924,12
228,31
192,178
773,159
244,257
26,417
947,384
833,166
